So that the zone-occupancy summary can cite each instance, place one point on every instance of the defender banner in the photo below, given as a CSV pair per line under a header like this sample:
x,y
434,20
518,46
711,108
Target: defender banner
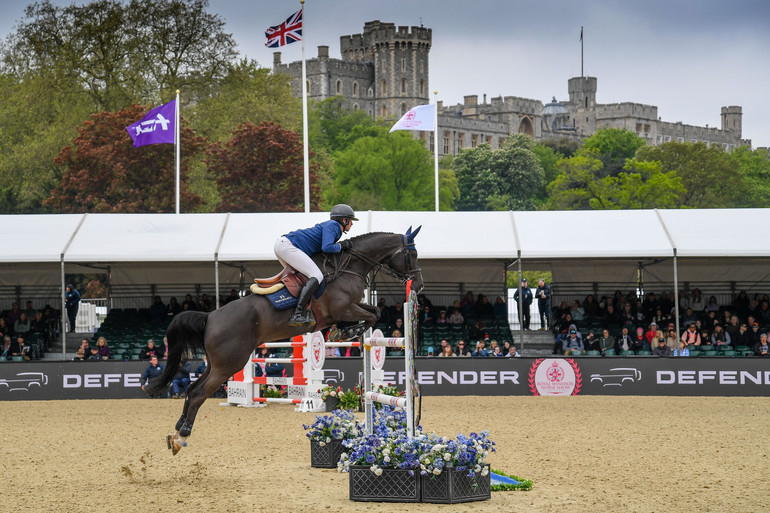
x,y
437,376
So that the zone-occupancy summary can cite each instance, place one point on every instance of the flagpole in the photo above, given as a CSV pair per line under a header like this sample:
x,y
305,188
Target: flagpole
x,y
305,151
435,141
177,144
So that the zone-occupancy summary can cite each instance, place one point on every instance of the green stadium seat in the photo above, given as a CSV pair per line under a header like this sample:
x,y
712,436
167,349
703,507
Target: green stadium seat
x,y
694,352
627,352
593,353
644,352
609,352
728,353
710,353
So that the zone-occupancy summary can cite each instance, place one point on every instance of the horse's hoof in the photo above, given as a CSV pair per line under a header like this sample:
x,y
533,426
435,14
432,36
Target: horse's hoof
x,y
169,440
175,448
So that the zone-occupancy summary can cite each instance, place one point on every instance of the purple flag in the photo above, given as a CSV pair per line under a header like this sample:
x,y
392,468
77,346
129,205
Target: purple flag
x,y
157,127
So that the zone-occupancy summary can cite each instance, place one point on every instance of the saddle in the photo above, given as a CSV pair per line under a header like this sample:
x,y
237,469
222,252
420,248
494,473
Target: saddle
x,y
293,282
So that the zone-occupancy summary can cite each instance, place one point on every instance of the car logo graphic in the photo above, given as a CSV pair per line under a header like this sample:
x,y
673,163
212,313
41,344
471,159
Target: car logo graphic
x,y
23,381
618,376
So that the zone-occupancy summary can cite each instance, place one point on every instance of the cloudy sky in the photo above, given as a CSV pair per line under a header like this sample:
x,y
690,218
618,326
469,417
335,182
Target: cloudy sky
x,y
687,57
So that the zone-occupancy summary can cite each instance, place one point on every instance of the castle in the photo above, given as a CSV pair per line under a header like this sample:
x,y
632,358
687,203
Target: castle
x,y
384,71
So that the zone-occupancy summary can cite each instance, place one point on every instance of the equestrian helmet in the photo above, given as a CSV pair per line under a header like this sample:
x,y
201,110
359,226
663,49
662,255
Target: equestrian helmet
x,y
342,211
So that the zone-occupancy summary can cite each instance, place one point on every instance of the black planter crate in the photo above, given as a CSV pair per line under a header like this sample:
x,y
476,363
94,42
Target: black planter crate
x,y
332,403
453,486
394,485
327,455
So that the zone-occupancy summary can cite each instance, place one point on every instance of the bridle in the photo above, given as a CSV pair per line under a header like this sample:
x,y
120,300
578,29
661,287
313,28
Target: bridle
x,y
405,250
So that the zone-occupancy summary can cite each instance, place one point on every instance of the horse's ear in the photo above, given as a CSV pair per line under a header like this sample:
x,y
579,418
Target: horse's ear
x,y
410,235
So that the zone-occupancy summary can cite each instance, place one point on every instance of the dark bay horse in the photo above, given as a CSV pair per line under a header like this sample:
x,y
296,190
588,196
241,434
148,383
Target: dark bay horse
x,y
230,334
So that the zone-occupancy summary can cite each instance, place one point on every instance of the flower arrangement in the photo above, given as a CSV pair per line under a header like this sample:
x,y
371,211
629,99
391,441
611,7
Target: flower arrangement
x,y
390,447
328,391
340,425
270,391
349,400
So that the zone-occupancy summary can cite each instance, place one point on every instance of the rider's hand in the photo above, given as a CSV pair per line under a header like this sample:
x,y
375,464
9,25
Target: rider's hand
x,y
345,245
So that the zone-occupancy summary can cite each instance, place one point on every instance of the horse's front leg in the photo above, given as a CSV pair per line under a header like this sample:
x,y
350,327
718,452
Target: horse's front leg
x,y
371,309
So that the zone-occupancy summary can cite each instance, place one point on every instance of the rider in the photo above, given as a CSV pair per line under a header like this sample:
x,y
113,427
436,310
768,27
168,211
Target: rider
x,y
295,248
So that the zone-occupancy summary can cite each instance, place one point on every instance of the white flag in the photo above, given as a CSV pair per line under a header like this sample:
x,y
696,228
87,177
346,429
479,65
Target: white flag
x,y
418,118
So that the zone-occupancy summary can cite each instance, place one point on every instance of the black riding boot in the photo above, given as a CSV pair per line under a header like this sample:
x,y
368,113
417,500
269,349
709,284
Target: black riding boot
x,y
301,315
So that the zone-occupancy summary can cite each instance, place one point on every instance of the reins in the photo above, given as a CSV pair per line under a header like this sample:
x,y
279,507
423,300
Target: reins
x,y
341,264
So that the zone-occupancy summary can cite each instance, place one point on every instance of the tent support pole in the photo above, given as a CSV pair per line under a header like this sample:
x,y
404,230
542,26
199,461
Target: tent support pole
x,y
676,298
63,332
521,310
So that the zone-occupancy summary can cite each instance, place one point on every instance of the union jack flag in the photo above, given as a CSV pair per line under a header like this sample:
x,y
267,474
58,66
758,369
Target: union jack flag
x,y
285,33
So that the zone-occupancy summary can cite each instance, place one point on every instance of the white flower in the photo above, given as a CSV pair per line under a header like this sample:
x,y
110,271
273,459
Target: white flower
x,y
486,453
485,471
321,443
447,456
477,468
436,471
386,459
422,467
378,471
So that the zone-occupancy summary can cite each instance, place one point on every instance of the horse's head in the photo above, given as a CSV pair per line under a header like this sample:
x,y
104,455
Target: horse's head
x,y
404,261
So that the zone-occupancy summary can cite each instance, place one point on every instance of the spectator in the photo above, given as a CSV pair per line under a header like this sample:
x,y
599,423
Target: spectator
x,y
201,368
103,349
691,337
181,380
426,318
623,342
188,303
500,309
204,304
661,318
526,301
462,348
398,324
606,341
497,352
481,350
266,368
4,328
689,316
627,317
562,310
671,338
650,305
165,348
754,335
152,371
506,346
483,307
19,348
682,351
741,304
6,353
447,351
543,295
478,331
72,304
720,337
743,337
173,306
697,302
80,355
86,347
232,297
429,351
640,342
591,342
30,311
577,311
733,327
610,317
13,315
149,351
591,307
94,356
22,325
467,304
762,313
573,342
442,320
661,349
513,352
652,333
456,317
762,348
444,343
157,311
492,346
712,305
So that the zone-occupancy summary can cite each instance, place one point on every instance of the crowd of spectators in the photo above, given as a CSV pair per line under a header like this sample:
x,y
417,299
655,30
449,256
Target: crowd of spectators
x,y
27,333
625,324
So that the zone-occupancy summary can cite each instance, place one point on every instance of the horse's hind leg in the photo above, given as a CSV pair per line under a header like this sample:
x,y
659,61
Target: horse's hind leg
x,y
206,385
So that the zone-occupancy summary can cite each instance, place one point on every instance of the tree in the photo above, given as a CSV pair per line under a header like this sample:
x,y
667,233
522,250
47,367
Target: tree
x,y
334,128
384,172
103,172
549,161
246,94
613,146
755,168
260,169
578,185
711,177
508,178
562,146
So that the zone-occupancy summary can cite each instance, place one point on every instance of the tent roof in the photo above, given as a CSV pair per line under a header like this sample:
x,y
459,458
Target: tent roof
x,y
36,238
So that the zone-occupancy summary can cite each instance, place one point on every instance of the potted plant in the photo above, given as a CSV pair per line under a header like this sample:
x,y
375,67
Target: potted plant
x,y
389,466
331,397
327,434
349,400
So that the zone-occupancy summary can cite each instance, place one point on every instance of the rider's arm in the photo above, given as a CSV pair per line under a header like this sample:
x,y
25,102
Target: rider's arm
x,y
332,231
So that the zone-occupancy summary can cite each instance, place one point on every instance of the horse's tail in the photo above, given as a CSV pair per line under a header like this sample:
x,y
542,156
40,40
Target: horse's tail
x,y
185,336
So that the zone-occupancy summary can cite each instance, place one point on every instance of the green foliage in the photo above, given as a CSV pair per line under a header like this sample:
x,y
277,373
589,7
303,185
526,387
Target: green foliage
x,y
512,278
563,147
260,169
103,172
578,187
384,172
349,400
508,178
754,166
333,127
711,177
549,161
613,146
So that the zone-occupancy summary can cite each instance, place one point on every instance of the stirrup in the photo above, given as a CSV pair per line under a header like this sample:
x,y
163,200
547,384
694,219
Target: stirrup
x,y
301,319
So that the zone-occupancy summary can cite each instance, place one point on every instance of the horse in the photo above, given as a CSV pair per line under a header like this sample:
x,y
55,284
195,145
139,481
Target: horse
x,y
229,335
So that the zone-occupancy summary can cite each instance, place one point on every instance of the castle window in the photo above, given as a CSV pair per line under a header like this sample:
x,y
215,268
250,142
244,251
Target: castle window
x,y
460,139
488,140
307,87
403,109
352,55
586,103
501,142
361,53
384,88
432,142
403,85
422,87
403,64
355,89
339,87
355,106
422,66
474,140
446,143
384,111
371,92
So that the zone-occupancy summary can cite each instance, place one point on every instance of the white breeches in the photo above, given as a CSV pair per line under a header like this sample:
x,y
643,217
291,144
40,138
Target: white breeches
x,y
288,254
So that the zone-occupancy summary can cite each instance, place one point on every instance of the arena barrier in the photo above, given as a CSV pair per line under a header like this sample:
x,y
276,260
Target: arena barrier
x,y
374,359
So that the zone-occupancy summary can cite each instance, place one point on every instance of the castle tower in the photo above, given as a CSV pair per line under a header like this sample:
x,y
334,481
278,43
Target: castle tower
x,y
732,120
399,57
582,92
